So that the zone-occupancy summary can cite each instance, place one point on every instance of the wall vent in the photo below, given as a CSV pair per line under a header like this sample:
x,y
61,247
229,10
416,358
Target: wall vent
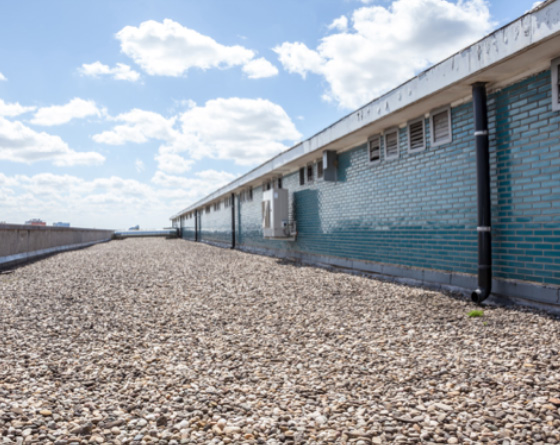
x,y
555,76
374,146
416,138
392,144
440,122
330,164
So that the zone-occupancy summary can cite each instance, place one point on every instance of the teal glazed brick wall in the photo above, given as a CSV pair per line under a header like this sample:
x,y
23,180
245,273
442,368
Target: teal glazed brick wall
x,y
187,228
215,227
417,210
526,143
420,209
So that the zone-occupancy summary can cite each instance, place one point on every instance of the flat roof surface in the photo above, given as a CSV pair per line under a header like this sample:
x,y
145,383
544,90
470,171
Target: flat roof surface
x,y
190,343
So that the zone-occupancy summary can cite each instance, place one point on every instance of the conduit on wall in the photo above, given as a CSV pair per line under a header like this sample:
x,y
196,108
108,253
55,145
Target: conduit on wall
x,y
483,194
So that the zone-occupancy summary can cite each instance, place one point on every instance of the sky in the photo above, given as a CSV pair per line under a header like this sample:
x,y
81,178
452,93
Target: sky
x,y
115,113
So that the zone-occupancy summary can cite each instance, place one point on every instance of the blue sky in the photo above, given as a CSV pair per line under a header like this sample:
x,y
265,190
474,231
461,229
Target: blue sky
x,y
117,113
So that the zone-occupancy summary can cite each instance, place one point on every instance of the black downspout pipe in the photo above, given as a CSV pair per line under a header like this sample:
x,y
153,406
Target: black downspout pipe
x,y
233,220
196,225
483,194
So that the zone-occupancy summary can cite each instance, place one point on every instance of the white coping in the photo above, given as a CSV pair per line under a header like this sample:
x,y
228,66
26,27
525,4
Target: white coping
x,y
535,26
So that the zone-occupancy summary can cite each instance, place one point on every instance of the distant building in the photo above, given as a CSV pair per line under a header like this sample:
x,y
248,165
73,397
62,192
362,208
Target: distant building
x,y
61,224
35,222
136,227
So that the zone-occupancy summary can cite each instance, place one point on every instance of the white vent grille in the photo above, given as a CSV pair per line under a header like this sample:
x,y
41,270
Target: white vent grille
x,y
416,140
391,144
374,149
441,126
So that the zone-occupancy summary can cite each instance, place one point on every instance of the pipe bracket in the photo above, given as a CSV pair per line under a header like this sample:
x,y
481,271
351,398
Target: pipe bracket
x,y
484,229
481,133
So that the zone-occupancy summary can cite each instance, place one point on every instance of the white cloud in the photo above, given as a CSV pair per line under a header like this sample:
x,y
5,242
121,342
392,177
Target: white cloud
x,y
13,109
139,127
340,24
299,59
387,46
536,5
139,164
61,114
170,49
2,77
259,68
119,72
19,143
248,131
111,202
173,163
203,182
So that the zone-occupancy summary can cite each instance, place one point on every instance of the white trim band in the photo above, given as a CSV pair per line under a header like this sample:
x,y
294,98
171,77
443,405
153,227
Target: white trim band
x,y
484,229
481,133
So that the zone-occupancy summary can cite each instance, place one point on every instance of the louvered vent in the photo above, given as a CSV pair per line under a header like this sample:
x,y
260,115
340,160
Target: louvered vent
x,y
441,127
416,135
391,145
374,149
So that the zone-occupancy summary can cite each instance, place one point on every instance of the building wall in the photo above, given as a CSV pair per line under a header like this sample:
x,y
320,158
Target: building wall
x,y
526,145
215,227
420,210
188,228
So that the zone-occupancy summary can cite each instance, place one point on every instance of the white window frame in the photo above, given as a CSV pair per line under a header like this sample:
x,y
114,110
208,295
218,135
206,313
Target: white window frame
x,y
370,139
385,134
433,143
417,150
554,67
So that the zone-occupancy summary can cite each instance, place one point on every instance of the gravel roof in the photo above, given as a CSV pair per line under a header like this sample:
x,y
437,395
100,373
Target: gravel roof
x,y
167,342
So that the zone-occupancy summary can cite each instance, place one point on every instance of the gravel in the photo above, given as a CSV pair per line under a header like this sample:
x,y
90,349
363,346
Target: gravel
x,y
152,341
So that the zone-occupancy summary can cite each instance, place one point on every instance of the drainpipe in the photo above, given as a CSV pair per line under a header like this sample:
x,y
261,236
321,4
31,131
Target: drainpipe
x,y
233,220
483,194
196,225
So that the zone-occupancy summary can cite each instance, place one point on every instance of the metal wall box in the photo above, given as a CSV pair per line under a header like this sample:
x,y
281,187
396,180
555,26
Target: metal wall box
x,y
275,214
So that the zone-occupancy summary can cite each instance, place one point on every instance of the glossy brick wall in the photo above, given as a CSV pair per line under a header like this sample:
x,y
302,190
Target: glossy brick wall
x,y
420,209
215,227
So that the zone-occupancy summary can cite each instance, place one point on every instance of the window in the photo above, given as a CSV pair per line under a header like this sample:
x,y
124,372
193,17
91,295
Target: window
x,y
267,185
555,75
310,173
374,146
279,183
302,176
207,209
440,125
319,168
416,135
392,144
226,203
250,194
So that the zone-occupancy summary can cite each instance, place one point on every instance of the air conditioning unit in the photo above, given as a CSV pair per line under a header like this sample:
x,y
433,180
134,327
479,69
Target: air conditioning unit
x,y
276,222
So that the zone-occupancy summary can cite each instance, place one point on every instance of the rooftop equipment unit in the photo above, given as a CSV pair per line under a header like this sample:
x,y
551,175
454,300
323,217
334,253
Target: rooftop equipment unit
x,y
276,222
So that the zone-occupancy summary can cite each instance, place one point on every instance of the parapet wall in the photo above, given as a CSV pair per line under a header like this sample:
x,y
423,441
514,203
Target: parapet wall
x,y
21,243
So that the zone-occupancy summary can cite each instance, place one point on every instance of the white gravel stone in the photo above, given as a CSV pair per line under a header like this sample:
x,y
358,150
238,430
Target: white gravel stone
x,y
174,342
